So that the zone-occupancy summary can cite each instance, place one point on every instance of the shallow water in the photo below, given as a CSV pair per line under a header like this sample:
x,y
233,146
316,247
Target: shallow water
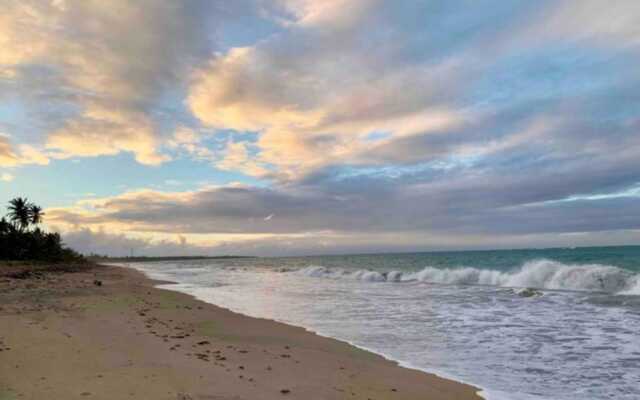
x,y
458,314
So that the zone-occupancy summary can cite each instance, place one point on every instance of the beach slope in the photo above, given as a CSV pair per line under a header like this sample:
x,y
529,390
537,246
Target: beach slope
x,y
107,333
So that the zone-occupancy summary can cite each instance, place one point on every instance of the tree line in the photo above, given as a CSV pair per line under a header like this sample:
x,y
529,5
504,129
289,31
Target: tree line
x,y
22,239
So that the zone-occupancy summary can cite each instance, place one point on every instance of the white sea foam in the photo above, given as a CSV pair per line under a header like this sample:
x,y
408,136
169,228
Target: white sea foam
x,y
634,288
541,274
369,276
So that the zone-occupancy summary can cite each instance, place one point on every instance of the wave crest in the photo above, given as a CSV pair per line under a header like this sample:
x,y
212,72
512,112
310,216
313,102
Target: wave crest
x,y
540,274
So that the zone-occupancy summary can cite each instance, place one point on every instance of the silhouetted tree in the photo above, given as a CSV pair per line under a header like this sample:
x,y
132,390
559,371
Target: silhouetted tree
x,y
17,242
35,214
5,227
19,213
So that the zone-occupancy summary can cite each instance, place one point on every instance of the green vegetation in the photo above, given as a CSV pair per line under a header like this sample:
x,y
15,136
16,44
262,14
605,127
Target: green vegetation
x,y
22,239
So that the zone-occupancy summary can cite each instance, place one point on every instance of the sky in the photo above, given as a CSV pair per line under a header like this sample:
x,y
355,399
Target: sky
x,y
292,127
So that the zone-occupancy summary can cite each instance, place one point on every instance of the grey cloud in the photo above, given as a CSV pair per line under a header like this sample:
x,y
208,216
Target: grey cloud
x,y
488,202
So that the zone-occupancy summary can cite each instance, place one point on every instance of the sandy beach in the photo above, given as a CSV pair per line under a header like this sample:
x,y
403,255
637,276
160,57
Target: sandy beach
x,y
107,333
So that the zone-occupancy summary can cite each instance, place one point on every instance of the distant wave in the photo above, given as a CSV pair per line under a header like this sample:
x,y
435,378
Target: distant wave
x,y
540,274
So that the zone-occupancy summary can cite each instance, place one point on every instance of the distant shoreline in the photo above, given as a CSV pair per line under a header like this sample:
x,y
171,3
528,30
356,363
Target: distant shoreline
x,y
373,253
151,259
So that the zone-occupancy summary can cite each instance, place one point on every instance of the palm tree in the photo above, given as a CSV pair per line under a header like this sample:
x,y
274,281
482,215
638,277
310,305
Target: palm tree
x,y
19,213
35,214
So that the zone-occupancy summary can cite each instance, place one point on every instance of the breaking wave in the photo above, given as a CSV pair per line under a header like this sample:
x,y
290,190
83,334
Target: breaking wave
x,y
540,274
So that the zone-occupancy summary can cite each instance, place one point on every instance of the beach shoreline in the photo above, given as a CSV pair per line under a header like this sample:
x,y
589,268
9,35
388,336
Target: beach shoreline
x,y
109,333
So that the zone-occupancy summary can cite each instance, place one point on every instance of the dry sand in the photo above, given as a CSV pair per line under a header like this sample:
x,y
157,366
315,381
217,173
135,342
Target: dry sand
x,y
63,337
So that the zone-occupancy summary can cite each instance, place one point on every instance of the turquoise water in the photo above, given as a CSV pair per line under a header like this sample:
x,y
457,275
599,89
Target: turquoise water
x,y
627,257
462,315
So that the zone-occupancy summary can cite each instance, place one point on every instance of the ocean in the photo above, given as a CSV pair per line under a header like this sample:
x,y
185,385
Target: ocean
x,y
462,315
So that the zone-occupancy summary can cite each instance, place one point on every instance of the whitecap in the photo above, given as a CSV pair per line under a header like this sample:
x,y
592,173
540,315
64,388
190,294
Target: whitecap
x,y
538,274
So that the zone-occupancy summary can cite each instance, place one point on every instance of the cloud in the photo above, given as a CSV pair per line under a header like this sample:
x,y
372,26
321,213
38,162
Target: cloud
x,y
24,154
7,154
314,95
437,81
237,157
315,90
188,141
482,201
105,68
102,131
612,26
230,156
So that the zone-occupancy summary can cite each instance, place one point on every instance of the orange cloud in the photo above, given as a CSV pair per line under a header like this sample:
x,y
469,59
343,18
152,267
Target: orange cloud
x,y
237,158
103,131
7,156
22,155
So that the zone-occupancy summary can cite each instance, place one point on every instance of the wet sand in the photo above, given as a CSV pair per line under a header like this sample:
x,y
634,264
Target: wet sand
x,y
63,336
